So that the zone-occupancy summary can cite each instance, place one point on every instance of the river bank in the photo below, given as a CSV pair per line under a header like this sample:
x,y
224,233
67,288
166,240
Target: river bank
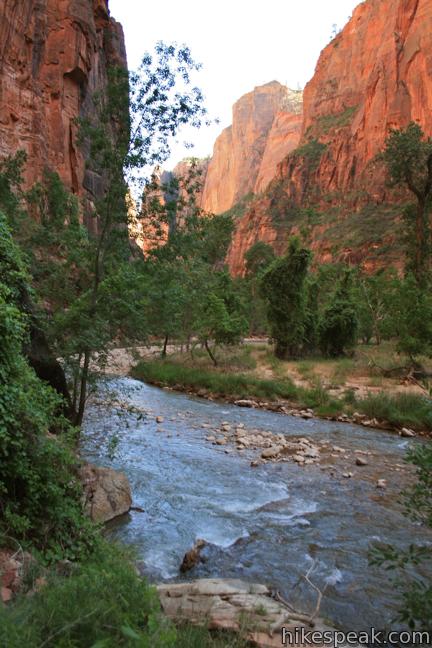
x,y
405,414
350,390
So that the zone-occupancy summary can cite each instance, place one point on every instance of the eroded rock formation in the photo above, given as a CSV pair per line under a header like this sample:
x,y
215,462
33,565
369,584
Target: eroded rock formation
x,y
54,56
376,74
265,128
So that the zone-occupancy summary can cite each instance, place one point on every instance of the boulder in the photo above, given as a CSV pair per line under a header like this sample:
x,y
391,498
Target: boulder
x,y
245,403
271,453
107,493
406,432
193,556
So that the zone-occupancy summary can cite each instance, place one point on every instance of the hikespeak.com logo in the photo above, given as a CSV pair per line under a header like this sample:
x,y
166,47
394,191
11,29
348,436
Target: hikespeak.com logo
x,y
372,638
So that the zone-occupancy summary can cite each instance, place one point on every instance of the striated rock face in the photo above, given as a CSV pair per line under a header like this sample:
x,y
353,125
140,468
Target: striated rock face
x,y
283,138
375,75
54,56
246,154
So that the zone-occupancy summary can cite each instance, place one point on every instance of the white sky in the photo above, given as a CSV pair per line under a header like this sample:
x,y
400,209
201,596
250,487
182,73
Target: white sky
x,y
240,43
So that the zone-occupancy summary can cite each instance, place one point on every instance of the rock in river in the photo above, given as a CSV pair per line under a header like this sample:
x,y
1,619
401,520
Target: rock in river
x,y
270,453
107,492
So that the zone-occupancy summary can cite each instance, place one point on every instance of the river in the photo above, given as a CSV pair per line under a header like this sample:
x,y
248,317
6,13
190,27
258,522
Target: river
x,y
266,524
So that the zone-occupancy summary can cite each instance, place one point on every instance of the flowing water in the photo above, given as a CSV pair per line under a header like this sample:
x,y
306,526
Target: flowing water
x,y
267,524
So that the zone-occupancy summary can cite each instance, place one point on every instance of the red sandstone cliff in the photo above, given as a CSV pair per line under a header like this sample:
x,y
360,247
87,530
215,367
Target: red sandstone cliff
x,y
265,128
376,74
54,56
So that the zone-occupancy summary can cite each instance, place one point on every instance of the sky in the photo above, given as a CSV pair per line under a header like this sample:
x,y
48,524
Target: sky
x,y
240,44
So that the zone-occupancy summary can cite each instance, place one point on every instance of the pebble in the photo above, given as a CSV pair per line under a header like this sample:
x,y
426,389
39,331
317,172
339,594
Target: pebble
x,y
381,483
159,419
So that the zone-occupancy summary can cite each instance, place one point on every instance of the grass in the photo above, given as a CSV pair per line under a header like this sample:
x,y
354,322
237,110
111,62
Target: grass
x,y
174,374
101,604
401,410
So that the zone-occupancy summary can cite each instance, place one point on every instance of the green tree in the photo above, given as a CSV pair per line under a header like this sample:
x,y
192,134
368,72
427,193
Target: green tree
x,y
258,257
283,288
408,157
372,298
411,321
86,281
339,324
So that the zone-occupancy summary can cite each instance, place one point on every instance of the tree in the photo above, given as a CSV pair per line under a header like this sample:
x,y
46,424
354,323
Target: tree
x,y
408,157
283,288
372,298
258,258
338,326
412,319
40,497
90,289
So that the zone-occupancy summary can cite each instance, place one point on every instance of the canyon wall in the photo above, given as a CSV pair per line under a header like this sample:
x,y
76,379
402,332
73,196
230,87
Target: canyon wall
x,y
376,74
54,56
265,128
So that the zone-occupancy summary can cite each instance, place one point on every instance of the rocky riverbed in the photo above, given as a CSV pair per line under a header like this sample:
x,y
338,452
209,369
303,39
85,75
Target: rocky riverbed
x,y
271,495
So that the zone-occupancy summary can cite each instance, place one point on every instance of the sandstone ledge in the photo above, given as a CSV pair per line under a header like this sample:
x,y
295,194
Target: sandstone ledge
x,y
235,605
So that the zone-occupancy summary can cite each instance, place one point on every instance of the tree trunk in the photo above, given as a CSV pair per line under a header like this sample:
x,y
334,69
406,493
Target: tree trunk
x,y
164,350
212,357
83,389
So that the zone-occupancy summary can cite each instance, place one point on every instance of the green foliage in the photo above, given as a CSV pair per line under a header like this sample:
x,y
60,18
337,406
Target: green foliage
x,y
415,591
338,326
102,603
337,120
258,258
11,169
39,493
402,410
408,157
283,287
410,308
311,152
